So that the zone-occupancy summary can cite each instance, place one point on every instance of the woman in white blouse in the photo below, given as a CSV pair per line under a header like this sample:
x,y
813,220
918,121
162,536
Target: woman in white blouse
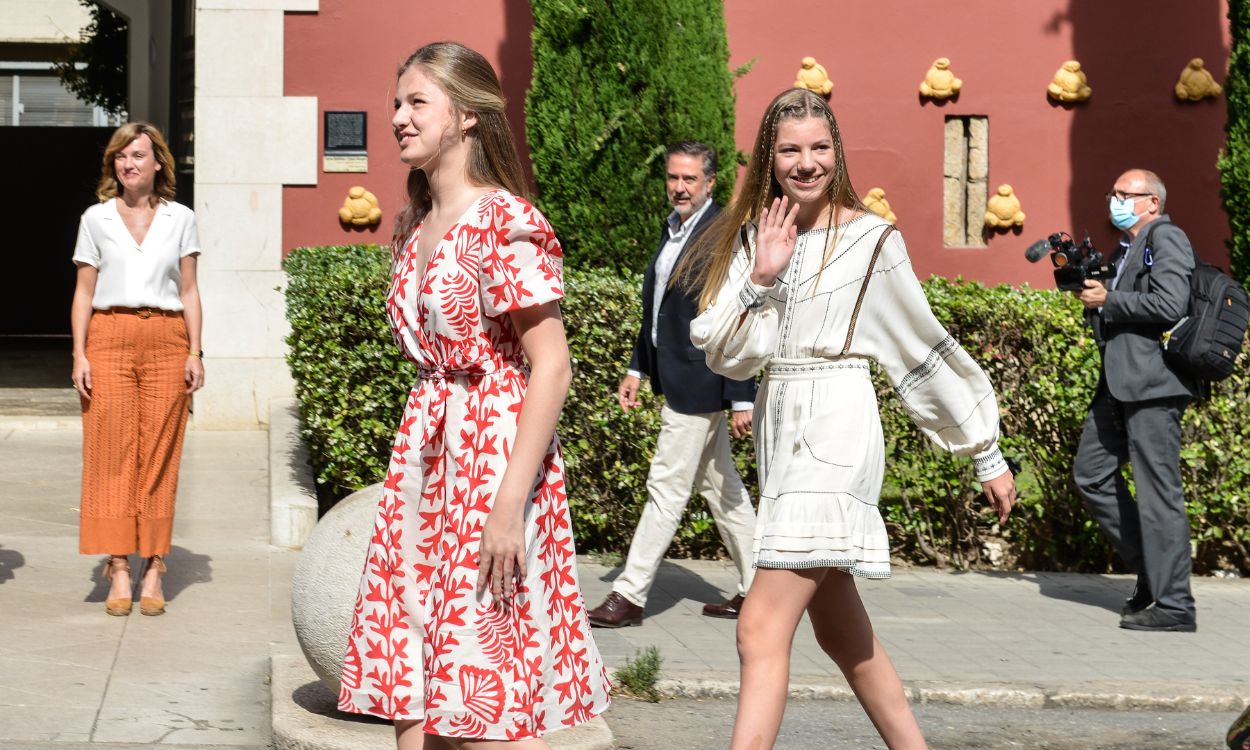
x,y
137,359
783,285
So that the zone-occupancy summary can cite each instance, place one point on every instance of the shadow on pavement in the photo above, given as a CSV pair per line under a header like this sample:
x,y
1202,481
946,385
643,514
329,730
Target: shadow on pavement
x,y
10,560
185,569
672,578
316,698
1103,592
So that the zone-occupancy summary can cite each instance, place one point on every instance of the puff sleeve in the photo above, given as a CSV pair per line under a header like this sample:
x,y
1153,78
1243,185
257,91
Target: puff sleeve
x,y
945,392
522,264
735,346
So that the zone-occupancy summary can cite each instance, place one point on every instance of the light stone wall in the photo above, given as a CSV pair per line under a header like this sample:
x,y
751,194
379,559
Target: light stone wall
x,y
964,181
250,140
978,172
954,197
42,22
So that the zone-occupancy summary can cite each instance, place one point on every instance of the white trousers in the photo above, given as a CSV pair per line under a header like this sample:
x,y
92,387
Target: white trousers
x,y
692,450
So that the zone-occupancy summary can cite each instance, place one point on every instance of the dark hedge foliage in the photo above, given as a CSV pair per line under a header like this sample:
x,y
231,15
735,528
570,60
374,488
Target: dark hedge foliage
x,y
1234,161
613,84
352,385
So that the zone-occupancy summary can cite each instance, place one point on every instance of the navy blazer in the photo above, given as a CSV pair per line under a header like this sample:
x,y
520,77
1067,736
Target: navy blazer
x,y
677,369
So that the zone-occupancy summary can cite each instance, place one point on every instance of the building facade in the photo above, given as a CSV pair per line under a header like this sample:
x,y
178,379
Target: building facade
x,y
266,73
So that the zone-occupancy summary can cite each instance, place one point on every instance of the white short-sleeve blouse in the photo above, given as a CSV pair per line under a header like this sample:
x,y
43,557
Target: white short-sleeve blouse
x,y
133,274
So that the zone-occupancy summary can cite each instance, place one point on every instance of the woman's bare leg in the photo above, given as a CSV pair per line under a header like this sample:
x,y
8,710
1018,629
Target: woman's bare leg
x,y
408,736
765,635
844,632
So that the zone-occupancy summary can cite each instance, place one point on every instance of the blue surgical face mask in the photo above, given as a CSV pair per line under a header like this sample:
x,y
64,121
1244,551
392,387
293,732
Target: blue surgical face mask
x,y
1122,214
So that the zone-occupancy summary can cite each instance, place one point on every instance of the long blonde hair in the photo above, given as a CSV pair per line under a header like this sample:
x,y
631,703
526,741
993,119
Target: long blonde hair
x,y
706,266
472,86
162,189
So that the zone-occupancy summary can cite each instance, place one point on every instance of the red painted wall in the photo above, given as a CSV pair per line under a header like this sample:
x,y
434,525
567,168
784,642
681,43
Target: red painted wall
x,y
347,58
1060,160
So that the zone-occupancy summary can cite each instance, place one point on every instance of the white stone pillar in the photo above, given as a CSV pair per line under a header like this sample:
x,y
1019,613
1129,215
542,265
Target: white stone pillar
x,y
250,140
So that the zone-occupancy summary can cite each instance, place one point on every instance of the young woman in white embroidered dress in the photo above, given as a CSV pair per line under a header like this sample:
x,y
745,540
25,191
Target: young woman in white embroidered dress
x,y
469,630
784,303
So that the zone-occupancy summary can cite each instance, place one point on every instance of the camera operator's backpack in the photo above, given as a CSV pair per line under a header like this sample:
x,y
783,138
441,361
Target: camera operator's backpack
x,y
1204,344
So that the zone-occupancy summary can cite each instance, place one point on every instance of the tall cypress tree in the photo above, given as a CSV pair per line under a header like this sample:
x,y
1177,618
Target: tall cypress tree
x,y
1234,162
614,82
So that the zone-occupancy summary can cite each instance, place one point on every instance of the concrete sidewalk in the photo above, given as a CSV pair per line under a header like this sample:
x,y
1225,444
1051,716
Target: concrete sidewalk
x,y
72,677
1024,639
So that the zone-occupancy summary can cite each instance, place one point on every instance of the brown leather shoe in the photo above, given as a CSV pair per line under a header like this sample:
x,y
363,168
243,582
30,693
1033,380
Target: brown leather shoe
x,y
729,610
615,612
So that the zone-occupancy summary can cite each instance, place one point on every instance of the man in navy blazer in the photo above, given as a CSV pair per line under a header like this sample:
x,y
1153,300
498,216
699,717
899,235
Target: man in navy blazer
x,y
1136,413
693,447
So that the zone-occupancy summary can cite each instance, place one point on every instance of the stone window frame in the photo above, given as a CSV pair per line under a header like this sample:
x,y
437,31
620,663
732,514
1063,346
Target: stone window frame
x,y
965,180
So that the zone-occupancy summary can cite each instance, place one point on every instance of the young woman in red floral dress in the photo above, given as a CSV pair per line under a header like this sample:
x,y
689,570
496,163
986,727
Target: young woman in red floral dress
x,y
469,628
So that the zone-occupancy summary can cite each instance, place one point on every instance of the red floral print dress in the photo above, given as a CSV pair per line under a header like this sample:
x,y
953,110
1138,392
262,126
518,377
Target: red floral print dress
x,y
423,646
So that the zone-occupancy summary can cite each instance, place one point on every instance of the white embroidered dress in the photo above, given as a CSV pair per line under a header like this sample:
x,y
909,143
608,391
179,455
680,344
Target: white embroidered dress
x,y
817,429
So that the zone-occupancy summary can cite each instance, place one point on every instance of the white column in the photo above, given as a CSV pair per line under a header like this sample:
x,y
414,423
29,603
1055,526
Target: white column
x,y
250,140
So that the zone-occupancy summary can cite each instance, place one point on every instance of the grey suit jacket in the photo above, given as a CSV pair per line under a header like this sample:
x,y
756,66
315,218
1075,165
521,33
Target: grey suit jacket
x,y
1145,302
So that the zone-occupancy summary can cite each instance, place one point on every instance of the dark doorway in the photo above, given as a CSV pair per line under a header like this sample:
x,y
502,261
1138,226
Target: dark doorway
x,y
59,168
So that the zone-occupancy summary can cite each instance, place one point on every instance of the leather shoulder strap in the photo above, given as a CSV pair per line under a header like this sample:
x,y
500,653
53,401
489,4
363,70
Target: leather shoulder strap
x,y
859,301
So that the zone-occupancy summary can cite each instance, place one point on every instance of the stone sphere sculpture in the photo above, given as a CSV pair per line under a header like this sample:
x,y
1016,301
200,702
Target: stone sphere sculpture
x,y
327,576
1003,209
940,82
875,201
1069,84
1196,83
360,208
813,77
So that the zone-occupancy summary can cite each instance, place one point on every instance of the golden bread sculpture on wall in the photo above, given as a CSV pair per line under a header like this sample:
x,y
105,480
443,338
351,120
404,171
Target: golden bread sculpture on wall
x,y
940,82
1069,84
360,208
1196,83
1003,209
875,201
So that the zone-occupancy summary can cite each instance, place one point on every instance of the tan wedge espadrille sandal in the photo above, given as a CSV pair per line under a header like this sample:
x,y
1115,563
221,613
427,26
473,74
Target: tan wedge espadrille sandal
x,y
117,607
152,605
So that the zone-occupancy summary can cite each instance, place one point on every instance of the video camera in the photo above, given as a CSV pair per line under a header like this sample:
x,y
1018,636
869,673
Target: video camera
x,y
1073,263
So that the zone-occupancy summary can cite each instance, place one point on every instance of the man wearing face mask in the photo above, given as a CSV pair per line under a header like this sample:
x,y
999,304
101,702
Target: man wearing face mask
x,y
1136,413
693,448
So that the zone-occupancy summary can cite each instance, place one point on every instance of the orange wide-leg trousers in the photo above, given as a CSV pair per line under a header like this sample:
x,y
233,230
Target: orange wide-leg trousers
x,y
132,433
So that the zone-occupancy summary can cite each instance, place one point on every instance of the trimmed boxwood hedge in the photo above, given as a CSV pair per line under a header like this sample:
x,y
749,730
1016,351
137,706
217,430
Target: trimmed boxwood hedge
x,y
352,384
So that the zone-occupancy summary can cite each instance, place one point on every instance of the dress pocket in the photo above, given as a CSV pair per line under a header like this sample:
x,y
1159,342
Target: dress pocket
x,y
834,438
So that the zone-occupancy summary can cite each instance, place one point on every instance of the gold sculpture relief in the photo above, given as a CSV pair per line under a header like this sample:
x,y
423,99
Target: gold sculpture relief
x,y
940,82
1003,209
1196,83
875,201
360,208
1069,84
813,77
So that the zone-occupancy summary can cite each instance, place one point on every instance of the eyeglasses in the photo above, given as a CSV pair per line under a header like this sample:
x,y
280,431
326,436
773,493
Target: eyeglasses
x,y
1121,195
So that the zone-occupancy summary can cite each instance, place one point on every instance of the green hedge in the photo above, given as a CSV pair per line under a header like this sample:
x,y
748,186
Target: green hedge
x,y
1234,159
352,384
613,84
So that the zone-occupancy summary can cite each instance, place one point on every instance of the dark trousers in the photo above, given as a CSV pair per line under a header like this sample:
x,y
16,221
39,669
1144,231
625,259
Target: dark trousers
x,y
1151,533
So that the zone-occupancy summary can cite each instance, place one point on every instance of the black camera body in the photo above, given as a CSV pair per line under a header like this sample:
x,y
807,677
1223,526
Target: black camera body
x,y
1073,263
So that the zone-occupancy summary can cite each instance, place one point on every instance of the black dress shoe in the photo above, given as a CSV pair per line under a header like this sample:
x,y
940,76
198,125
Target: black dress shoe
x,y
615,612
729,610
1140,599
1153,618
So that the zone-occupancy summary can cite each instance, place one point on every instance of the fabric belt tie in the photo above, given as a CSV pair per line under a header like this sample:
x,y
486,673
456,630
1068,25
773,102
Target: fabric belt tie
x,y
783,368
